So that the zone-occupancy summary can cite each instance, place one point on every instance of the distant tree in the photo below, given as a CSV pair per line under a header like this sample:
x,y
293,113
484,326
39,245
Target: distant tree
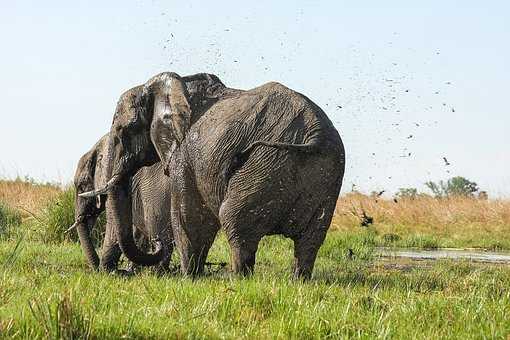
x,y
407,193
438,189
455,186
461,186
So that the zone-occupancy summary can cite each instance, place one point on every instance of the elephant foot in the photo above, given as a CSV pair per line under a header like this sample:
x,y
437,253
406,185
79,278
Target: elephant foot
x,y
243,260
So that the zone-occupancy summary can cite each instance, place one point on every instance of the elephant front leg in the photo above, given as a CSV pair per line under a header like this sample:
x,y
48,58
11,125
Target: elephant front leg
x,y
242,255
193,242
110,254
195,229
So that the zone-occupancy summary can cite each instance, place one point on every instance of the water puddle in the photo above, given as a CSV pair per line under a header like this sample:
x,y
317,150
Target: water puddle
x,y
451,254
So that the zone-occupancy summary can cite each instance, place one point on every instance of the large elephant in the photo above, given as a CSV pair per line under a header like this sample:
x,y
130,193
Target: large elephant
x,y
150,194
257,162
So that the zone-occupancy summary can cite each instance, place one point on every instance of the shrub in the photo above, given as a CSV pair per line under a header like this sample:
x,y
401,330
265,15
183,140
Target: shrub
x,y
407,193
10,219
391,238
455,186
422,242
58,215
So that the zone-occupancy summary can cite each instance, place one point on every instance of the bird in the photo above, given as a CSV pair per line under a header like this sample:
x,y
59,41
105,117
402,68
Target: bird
x,y
446,161
350,254
366,220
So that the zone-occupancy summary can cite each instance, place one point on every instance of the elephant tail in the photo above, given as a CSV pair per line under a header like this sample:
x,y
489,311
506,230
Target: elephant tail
x,y
241,158
310,147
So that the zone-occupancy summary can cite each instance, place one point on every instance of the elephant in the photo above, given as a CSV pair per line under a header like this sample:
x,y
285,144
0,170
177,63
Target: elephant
x,y
150,188
253,162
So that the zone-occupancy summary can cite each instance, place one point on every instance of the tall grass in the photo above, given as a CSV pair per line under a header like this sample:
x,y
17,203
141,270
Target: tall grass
x,y
61,318
58,215
40,212
10,220
423,222
453,221
26,195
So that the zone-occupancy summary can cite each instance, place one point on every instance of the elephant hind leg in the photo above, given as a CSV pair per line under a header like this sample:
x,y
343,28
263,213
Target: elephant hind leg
x,y
307,245
245,224
243,253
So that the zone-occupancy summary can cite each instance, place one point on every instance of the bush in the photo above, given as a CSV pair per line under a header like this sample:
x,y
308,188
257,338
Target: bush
x,y
422,242
407,193
10,219
455,186
58,215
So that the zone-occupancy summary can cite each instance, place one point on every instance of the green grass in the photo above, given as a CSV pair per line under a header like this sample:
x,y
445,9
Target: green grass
x,y
430,241
46,291
48,225
10,220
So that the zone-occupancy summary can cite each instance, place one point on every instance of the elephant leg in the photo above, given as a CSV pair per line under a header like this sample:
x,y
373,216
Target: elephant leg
x,y
307,245
244,226
243,254
110,254
194,231
193,257
194,242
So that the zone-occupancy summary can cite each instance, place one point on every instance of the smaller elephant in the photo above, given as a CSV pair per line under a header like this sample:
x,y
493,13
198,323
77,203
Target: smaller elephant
x,y
149,188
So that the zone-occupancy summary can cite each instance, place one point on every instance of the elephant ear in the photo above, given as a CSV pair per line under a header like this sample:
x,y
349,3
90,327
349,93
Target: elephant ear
x,y
101,166
180,108
171,113
101,162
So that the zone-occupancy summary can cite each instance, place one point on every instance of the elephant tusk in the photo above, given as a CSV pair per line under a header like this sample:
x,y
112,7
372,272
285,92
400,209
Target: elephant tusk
x,y
101,191
71,227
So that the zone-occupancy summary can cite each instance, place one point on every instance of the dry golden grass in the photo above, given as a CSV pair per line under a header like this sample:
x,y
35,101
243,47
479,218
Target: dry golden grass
x,y
457,221
455,218
25,196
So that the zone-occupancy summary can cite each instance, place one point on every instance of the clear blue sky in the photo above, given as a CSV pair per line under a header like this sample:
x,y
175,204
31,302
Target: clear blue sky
x,y
436,70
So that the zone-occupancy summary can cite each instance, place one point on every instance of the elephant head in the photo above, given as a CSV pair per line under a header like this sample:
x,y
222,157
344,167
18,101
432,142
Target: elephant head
x,y
90,174
149,124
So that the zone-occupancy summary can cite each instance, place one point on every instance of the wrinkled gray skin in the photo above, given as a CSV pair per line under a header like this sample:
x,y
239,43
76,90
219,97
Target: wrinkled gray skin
x,y
150,195
258,162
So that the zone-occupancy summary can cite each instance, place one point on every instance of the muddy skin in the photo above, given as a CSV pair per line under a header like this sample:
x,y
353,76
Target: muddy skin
x,y
149,188
258,162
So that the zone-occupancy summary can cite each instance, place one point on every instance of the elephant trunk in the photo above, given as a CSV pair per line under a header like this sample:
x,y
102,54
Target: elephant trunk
x,y
119,207
83,226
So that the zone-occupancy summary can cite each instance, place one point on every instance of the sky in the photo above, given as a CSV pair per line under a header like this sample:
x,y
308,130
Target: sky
x,y
405,83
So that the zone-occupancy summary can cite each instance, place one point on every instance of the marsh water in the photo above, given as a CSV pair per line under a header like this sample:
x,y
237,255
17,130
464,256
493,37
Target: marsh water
x,y
452,254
